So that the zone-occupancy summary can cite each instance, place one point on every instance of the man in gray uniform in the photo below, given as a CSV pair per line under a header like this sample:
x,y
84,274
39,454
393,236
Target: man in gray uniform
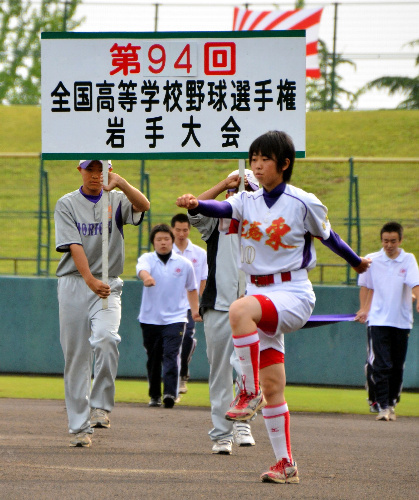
x,y
87,331
223,287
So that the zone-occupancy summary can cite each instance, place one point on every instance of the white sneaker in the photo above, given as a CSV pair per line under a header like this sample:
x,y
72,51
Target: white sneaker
x,y
99,418
383,415
392,414
183,389
81,439
242,434
282,472
245,405
222,447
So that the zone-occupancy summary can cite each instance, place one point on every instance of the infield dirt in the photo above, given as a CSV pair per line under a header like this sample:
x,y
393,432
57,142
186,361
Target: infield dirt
x,y
157,453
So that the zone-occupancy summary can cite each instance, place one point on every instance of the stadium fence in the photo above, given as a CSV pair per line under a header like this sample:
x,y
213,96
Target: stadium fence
x,y
360,193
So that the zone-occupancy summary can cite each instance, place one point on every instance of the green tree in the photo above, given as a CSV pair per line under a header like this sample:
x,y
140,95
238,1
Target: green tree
x,y
403,84
319,90
21,23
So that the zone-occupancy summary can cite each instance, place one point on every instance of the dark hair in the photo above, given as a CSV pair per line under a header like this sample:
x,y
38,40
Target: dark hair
x,y
180,218
392,227
276,145
160,228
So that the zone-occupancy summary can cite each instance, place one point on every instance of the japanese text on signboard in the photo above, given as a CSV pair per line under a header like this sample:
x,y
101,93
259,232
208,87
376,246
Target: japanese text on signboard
x,y
169,95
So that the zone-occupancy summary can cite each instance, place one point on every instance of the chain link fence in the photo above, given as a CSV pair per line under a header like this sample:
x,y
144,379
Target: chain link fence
x,y
360,193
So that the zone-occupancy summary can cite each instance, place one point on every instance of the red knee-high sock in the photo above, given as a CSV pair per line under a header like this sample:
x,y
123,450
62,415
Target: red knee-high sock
x,y
277,421
247,350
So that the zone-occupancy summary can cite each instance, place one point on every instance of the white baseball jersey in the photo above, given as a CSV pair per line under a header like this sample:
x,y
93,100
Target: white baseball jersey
x,y
198,257
280,238
392,281
78,220
162,304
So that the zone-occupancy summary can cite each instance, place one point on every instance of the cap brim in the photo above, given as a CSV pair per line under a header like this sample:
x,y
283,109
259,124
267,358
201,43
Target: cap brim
x,y
86,163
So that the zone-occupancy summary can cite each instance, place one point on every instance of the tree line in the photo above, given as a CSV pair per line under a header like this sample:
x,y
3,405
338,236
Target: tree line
x,y
20,59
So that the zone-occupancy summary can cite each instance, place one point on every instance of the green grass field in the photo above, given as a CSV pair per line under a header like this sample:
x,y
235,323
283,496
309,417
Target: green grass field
x,y
307,399
387,191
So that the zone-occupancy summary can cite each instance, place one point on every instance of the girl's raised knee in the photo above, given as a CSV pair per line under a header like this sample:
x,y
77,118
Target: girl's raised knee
x,y
243,313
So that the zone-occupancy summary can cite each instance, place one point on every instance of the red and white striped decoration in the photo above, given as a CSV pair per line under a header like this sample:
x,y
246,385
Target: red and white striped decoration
x,y
301,19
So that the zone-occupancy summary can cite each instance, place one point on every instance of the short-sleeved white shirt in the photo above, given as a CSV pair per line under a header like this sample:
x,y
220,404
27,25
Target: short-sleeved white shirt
x,y
198,257
392,281
162,304
279,238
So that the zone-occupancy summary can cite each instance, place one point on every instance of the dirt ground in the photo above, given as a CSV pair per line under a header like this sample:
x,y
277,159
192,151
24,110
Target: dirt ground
x,y
166,454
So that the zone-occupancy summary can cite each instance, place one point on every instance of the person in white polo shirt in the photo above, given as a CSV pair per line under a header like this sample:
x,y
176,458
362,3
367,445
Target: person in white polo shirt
x,y
163,314
181,228
386,293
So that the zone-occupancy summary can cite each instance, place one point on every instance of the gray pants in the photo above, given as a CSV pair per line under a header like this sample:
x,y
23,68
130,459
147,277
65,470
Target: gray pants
x,y
222,359
88,333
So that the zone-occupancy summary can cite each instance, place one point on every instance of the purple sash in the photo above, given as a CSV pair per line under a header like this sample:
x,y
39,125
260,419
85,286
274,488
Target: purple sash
x,y
327,319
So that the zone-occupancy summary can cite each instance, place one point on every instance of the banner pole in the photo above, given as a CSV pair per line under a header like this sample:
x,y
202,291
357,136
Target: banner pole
x,y
105,231
242,165
242,276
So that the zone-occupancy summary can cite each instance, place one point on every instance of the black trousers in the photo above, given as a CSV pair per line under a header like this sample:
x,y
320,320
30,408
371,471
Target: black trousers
x,y
369,385
188,346
162,344
389,348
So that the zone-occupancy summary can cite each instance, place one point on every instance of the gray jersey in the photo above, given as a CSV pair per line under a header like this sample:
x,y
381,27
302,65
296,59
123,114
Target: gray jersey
x,y
224,285
78,220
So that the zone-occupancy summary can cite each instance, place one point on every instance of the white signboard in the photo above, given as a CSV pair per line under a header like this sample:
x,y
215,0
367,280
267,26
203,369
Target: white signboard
x,y
170,95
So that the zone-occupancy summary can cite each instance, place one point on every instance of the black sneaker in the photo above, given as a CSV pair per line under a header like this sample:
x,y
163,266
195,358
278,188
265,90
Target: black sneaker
x,y
155,402
169,401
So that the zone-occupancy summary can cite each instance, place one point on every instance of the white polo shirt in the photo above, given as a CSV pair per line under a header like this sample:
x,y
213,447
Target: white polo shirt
x,y
392,281
163,304
198,257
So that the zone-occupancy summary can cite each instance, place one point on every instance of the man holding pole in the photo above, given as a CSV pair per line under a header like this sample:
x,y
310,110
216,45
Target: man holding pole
x,y
225,284
88,327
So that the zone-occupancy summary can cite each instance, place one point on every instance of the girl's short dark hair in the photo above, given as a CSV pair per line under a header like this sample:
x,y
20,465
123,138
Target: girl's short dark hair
x,y
278,145
160,228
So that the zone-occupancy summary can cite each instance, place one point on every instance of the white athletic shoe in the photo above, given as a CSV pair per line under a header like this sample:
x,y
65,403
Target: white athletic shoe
x,y
383,415
99,418
282,472
82,439
222,447
245,406
183,389
242,434
392,414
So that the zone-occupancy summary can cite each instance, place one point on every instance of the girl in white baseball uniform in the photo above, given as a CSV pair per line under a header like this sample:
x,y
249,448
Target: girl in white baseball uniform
x,y
277,225
87,330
